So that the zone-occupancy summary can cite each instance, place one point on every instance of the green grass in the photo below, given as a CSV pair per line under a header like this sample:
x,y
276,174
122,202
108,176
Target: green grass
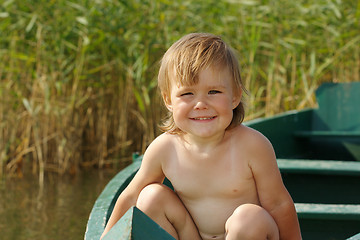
x,y
78,78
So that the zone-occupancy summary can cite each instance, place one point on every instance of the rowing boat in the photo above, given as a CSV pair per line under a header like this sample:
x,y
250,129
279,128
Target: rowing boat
x,y
318,154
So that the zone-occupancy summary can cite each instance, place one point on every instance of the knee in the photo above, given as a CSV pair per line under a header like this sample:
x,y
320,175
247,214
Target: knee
x,y
153,196
250,221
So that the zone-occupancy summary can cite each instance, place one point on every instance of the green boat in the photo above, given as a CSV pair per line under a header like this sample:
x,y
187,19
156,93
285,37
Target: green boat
x,y
318,153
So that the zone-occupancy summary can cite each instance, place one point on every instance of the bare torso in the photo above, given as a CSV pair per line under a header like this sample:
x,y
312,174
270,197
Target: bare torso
x,y
213,179
211,183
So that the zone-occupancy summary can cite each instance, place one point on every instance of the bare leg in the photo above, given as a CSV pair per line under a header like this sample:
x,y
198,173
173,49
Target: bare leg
x,y
250,221
162,205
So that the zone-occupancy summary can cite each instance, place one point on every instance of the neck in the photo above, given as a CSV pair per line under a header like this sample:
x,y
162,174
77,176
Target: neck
x,y
202,144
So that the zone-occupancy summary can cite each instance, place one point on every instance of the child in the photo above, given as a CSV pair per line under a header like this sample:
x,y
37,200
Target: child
x,y
226,180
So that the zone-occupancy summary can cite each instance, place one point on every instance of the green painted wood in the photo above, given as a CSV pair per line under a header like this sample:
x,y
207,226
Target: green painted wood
x,y
328,229
122,229
339,108
334,134
315,187
135,225
328,221
328,211
354,149
355,237
335,126
145,228
280,128
105,202
350,140
321,181
339,111
319,166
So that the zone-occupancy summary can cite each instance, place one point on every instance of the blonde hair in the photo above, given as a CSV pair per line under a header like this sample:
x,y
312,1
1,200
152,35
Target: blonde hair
x,y
182,63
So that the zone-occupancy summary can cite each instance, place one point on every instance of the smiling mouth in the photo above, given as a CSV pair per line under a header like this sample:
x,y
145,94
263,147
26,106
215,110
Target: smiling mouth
x,y
203,118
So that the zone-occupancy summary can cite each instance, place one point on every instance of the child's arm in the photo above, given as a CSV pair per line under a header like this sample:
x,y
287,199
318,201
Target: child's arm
x,y
272,193
150,172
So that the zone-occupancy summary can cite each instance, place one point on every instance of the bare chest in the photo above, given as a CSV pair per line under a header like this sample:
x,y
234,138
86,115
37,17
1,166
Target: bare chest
x,y
211,185
195,178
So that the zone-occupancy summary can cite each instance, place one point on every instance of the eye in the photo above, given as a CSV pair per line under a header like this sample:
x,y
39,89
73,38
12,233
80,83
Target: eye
x,y
214,91
186,94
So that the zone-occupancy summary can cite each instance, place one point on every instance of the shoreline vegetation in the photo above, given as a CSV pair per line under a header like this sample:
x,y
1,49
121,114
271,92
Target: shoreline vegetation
x,y
78,78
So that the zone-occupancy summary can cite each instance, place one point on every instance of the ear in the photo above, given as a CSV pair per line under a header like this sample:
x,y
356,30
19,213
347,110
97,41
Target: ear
x,y
167,102
236,99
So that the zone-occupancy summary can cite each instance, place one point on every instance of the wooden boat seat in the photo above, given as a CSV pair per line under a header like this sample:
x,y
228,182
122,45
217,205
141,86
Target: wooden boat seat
x,y
319,166
338,115
327,134
326,211
349,139
321,181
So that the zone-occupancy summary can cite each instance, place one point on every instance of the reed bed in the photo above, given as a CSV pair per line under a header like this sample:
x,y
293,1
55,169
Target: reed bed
x,y
78,78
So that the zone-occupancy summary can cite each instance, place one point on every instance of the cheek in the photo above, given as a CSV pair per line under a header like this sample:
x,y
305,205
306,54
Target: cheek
x,y
177,105
180,104
223,104
180,110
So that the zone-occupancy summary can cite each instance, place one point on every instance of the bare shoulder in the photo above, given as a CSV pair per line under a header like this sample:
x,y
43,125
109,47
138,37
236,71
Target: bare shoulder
x,y
159,150
251,137
162,145
254,145
151,169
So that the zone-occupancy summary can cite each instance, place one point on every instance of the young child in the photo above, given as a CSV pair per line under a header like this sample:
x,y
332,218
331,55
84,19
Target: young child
x,y
226,180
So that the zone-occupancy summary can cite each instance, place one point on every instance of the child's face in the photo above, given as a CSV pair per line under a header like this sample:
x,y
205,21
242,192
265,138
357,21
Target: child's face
x,y
204,109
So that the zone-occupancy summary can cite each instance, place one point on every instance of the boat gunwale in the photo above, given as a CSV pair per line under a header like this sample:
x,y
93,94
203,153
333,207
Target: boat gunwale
x,y
103,205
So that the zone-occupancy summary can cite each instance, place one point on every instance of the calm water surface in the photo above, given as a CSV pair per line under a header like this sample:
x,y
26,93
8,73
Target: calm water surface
x,y
59,211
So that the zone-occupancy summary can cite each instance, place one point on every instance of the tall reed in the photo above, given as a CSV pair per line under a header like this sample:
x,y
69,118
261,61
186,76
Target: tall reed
x,y
78,78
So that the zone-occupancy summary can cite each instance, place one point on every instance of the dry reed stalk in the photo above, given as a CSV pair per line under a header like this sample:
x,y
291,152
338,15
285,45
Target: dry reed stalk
x,y
269,87
356,73
99,70
308,85
2,124
102,135
2,137
280,88
124,102
293,79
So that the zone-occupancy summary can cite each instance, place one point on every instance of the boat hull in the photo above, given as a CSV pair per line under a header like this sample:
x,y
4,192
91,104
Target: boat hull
x,y
318,153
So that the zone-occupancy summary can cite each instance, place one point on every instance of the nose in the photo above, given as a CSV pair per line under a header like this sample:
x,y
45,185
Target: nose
x,y
201,104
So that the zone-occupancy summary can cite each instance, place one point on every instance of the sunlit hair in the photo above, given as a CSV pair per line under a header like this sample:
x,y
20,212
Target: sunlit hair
x,y
182,63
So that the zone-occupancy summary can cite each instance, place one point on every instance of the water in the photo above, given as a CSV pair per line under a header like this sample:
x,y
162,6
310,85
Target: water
x,y
58,211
